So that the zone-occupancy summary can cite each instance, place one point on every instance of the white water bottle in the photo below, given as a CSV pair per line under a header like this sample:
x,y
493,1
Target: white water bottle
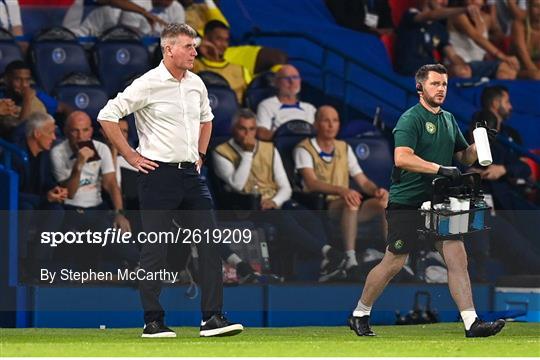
x,y
482,146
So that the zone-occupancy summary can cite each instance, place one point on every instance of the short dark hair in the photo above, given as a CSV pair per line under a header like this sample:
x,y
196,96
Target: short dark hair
x,y
16,65
423,73
492,93
214,24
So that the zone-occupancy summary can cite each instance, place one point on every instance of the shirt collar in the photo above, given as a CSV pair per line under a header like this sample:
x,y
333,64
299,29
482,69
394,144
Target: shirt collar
x,y
165,75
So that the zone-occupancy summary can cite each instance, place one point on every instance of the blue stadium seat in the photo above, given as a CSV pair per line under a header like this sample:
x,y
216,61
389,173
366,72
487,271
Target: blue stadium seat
x,y
55,53
259,88
224,106
119,55
285,139
374,156
9,50
355,127
88,98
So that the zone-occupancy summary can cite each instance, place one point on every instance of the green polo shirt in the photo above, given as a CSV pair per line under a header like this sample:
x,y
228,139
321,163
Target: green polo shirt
x,y
434,138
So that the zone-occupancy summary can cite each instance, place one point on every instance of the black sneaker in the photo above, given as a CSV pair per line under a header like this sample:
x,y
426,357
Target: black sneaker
x,y
156,329
332,266
218,325
360,325
481,328
355,274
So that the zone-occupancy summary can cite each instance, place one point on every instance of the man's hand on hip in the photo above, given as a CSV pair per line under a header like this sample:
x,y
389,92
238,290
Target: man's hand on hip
x,y
141,163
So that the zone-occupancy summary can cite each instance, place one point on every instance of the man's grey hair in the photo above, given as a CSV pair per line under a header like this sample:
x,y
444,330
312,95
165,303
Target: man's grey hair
x,y
244,113
171,32
35,121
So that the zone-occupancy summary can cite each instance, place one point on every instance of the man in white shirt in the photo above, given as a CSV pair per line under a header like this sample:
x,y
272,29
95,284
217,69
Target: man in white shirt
x,y
285,106
247,165
326,164
174,123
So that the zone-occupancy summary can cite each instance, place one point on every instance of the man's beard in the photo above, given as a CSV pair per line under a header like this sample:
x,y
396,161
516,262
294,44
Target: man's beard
x,y
504,114
431,101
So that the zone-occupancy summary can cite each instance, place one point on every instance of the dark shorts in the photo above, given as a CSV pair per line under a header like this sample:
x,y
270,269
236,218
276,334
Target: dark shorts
x,y
487,68
403,223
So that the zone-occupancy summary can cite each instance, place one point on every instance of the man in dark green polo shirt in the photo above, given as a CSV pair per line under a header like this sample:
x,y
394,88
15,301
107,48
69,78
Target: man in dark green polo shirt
x,y
427,138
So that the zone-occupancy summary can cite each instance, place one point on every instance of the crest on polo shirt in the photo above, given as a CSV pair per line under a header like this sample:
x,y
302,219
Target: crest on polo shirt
x,y
430,127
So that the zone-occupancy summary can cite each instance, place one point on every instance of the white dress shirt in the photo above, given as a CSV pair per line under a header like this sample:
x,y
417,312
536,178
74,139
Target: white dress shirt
x,y
303,159
168,114
237,178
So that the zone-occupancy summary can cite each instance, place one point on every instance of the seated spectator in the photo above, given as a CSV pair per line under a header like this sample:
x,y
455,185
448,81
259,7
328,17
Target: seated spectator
x,y
9,117
469,35
526,41
371,16
107,15
216,41
18,78
38,191
10,19
326,164
421,34
247,165
505,12
285,106
158,14
253,57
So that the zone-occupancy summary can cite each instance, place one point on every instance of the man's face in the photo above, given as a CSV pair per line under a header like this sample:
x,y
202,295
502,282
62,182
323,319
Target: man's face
x,y
434,88
46,135
504,106
288,81
220,38
19,80
244,128
327,123
78,128
182,52
534,10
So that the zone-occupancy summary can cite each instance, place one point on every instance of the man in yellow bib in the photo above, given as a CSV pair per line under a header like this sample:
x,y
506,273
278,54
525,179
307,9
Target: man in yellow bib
x,y
326,164
248,165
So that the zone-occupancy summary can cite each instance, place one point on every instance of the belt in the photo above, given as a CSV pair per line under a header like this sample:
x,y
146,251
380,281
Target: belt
x,y
179,165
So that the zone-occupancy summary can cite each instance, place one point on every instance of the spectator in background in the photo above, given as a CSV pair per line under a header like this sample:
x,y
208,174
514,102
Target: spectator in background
x,y
469,36
526,41
9,117
326,164
285,106
10,19
161,13
507,11
371,16
247,165
107,15
253,57
421,34
216,41
18,78
38,191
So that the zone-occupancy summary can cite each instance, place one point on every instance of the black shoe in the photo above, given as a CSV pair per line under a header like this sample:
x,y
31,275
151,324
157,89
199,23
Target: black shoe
x,y
332,267
360,325
156,329
218,325
481,328
355,274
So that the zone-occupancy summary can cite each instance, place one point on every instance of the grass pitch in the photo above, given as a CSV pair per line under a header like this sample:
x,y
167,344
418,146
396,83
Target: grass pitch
x,y
516,339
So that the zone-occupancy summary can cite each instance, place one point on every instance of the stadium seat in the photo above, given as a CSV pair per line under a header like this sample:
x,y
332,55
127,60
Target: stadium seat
x,y
259,88
9,50
374,156
388,41
224,106
55,53
285,139
119,54
211,78
356,127
88,98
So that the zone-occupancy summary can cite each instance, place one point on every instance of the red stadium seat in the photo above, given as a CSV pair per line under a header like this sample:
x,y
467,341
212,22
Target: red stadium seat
x,y
388,41
398,7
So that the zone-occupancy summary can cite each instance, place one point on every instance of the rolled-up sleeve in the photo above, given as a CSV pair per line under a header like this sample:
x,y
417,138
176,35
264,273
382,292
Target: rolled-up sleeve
x,y
133,98
206,110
